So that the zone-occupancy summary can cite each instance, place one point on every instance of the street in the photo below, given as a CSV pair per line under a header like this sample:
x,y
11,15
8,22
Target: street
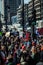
x,y
21,32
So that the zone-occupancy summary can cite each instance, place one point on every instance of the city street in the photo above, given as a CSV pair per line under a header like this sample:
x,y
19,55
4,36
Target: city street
x,y
21,32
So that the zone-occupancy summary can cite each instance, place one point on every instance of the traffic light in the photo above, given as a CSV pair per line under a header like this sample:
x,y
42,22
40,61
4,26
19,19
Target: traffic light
x,y
34,17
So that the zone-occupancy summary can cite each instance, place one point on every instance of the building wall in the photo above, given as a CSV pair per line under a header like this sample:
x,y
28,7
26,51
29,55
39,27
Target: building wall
x,y
38,5
14,4
30,6
42,9
0,5
19,13
2,10
13,7
14,19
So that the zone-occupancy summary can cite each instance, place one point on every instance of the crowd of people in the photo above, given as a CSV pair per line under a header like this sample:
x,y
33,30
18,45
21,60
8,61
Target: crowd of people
x,y
20,51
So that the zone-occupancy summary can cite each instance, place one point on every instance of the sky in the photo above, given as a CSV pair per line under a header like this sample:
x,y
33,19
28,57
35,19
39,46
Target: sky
x,y
26,1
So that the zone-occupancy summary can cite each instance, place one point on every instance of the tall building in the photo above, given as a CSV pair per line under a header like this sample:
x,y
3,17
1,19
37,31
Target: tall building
x,y
14,19
19,13
13,4
38,5
2,10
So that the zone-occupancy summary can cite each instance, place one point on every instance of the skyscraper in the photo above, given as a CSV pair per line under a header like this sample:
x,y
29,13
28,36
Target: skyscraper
x,y
13,4
2,10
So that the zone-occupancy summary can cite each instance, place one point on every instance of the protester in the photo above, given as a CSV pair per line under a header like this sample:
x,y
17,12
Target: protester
x,y
20,51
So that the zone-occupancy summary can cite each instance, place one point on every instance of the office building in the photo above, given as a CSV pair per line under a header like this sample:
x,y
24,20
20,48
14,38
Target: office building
x,y
38,5
14,19
19,13
8,13
14,4
2,10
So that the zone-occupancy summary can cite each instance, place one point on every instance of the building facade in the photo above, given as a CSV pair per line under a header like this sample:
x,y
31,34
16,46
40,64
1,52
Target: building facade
x,y
19,13
2,10
14,19
14,4
38,6
12,11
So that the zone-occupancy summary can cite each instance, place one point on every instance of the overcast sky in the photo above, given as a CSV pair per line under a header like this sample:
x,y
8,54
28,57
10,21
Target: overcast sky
x,y
26,1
